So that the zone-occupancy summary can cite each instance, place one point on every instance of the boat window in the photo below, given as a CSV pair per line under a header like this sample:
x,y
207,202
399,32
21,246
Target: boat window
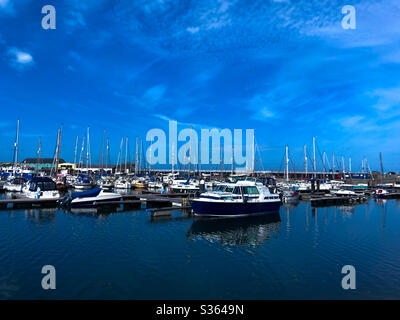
x,y
32,186
250,190
236,190
229,189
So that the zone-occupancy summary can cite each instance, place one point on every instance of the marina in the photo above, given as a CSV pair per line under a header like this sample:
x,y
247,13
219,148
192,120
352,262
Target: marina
x,y
138,256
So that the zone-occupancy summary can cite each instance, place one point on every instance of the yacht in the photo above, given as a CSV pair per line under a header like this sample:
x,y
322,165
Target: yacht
x,y
289,195
246,198
89,198
122,183
14,185
105,184
381,193
41,188
83,182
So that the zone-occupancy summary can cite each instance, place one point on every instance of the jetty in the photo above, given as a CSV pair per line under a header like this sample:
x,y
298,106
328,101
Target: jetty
x,y
135,200
319,201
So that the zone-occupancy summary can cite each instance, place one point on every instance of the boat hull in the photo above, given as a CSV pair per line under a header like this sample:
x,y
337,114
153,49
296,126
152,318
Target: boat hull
x,y
92,202
231,209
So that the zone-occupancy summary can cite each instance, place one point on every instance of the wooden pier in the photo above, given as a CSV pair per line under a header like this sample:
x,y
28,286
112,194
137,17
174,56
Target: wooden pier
x,y
136,200
335,200
27,203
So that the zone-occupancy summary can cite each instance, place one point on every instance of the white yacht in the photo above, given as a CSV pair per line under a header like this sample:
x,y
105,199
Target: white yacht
x,y
246,198
41,188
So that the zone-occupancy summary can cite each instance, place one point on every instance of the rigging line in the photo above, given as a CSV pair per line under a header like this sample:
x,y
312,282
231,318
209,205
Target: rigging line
x,y
319,152
284,155
259,155
292,161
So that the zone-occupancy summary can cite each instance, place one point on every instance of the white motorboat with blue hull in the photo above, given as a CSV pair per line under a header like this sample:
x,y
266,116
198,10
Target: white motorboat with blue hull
x,y
89,199
229,209
247,198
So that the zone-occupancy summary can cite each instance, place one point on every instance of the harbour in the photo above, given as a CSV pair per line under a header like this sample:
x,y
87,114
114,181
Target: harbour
x,y
296,253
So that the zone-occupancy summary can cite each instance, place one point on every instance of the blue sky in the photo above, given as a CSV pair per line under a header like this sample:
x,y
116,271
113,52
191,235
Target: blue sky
x,y
284,68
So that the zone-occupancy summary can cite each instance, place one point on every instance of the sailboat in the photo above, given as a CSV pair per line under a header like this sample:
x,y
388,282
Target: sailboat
x,y
289,194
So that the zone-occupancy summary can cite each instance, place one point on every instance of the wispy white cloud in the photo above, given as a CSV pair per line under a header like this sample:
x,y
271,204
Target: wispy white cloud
x,y
19,59
387,98
193,29
154,94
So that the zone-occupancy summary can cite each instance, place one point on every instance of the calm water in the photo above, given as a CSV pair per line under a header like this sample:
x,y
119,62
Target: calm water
x,y
297,253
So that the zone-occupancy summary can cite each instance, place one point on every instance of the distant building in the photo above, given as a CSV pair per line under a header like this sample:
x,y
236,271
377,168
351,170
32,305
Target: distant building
x,y
43,164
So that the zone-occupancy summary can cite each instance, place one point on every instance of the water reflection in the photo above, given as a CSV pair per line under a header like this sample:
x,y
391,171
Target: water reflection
x,y
236,231
41,216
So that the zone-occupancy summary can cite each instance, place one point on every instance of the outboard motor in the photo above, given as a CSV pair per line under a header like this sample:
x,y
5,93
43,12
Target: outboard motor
x,y
65,201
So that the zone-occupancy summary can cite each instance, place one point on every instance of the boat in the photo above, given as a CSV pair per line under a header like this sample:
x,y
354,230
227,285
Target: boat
x,y
290,195
83,182
188,186
344,193
41,188
105,184
14,185
138,183
381,193
122,183
246,198
89,198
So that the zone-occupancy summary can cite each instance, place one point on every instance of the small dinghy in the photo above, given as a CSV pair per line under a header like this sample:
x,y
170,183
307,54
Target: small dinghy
x,y
88,199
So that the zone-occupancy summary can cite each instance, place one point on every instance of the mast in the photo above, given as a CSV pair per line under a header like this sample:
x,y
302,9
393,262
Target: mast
x,y
107,153
287,163
58,149
190,150
119,160
305,160
76,149
126,154
382,174
137,157
56,159
343,166
38,156
16,147
233,150
140,155
88,150
82,153
333,163
150,155
173,158
314,162
350,165
102,150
